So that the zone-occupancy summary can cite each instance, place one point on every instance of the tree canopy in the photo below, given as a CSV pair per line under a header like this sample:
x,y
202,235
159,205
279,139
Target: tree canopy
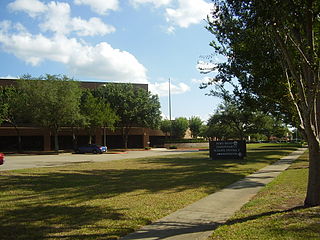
x,y
272,49
135,107
195,124
179,127
50,101
165,126
231,122
96,113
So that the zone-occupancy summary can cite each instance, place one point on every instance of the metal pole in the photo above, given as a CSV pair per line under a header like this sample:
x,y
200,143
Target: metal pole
x,y
170,100
170,108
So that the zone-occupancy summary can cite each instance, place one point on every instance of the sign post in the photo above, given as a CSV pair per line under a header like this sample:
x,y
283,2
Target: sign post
x,y
228,149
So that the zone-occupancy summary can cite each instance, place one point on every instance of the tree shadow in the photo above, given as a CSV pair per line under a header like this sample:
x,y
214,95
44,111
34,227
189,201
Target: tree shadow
x,y
36,212
38,215
166,229
305,225
42,221
264,214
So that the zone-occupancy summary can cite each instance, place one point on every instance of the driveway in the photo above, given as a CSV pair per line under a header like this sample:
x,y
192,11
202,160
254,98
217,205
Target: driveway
x,y
13,162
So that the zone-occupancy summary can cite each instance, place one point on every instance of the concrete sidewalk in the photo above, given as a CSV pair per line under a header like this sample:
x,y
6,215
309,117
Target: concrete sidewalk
x,y
198,220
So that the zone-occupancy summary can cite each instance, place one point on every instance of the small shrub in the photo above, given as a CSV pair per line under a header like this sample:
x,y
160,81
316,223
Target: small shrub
x,y
197,140
173,147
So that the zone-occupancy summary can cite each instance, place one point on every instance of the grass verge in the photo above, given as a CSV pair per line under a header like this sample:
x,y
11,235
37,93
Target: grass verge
x,y
108,200
277,211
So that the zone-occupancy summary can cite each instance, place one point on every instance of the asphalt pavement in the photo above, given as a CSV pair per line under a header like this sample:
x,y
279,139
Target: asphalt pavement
x,y
20,161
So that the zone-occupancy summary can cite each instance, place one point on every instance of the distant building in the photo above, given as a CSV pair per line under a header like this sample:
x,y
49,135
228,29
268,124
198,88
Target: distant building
x,y
38,138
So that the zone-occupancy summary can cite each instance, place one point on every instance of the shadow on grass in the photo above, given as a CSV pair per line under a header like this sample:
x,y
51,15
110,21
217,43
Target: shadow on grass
x,y
41,221
299,222
47,202
265,214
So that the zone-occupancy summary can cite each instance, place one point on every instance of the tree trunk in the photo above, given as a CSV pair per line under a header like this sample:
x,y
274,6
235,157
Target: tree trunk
x,y
56,141
74,140
125,136
19,138
313,190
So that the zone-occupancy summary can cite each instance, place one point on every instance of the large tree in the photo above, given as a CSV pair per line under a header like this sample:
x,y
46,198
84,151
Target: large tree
x,y
179,127
272,48
50,101
136,107
11,111
195,124
231,121
165,126
96,113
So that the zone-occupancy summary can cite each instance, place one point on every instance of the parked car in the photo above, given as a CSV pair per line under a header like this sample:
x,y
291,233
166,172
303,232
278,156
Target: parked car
x,y
1,158
91,148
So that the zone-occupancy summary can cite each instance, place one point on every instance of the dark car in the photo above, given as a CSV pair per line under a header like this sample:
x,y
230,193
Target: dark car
x,y
1,158
91,148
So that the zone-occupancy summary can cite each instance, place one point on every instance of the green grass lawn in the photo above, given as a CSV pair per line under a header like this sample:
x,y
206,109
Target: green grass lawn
x,y
277,211
111,199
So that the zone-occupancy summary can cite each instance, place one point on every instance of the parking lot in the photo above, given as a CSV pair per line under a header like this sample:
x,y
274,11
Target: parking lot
x,y
13,162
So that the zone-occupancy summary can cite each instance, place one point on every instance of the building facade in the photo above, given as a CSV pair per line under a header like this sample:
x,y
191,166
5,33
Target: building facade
x,y
37,138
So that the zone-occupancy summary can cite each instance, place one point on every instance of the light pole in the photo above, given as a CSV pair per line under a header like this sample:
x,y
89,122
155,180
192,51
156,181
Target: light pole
x,y
170,108
169,99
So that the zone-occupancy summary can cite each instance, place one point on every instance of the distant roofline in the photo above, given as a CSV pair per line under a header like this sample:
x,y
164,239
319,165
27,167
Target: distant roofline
x,y
85,84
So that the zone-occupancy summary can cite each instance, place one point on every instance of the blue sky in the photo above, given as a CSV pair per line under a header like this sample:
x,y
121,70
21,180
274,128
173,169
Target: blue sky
x,y
138,41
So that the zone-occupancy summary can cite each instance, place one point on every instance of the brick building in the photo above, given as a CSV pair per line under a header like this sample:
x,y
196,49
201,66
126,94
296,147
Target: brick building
x,y
37,138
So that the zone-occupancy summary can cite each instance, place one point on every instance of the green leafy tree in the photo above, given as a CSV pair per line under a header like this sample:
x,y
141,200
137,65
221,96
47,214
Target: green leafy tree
x,y
232,121
272,48
10,110
50,101
179,127
96,113
236,122
165,126
219,129
135,107
195,124
3,105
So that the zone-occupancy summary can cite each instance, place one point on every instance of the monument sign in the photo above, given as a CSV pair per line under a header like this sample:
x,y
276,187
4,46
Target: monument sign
x,y
227,149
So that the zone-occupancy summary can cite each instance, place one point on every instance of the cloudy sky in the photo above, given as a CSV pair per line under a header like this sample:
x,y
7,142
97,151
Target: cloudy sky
x,y
138,41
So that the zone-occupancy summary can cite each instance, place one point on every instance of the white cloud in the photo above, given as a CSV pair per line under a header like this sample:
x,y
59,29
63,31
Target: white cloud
x,y
58,12
8,77
182,13
31,7
92,27
162,89
188,12
203,80
100,6
156,3
99,62
57,18
171,30
106,63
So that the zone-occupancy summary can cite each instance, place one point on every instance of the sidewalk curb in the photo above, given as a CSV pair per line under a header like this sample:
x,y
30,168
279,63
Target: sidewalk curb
x,y
198,220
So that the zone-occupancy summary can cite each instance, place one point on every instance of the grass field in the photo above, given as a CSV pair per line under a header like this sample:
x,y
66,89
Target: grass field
x,y
111,199
276,212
